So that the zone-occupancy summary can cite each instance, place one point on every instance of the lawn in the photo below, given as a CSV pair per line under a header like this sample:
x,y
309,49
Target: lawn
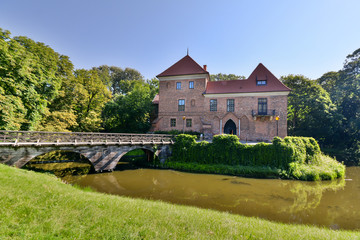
x,y
40,206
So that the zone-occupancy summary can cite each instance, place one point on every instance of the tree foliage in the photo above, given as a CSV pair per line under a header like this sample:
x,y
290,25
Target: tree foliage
x,y
310,110
41,90
329,108
225,77
130,112
28,79
91,96
119,81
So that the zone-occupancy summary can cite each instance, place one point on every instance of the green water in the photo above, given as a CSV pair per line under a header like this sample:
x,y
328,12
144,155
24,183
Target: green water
x,y
333,204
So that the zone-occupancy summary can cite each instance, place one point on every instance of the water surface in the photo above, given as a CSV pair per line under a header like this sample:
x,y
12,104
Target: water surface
x,y
334,204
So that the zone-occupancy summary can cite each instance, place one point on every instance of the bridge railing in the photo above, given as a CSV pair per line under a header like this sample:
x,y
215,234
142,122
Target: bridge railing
x,y
40,138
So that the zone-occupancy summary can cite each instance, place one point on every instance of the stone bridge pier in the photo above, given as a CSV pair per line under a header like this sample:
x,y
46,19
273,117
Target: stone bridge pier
x,y
102,157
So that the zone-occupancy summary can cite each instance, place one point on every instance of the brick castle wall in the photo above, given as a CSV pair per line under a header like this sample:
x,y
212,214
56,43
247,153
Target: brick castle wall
x,y
197,108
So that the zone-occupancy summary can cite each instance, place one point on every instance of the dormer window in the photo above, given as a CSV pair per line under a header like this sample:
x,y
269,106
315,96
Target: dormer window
x,y
261,82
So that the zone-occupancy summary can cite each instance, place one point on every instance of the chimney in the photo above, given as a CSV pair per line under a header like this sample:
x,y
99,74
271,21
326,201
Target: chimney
x,y
205,66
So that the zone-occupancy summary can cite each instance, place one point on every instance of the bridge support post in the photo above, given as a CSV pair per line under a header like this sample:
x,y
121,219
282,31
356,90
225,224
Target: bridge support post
x,y
164,153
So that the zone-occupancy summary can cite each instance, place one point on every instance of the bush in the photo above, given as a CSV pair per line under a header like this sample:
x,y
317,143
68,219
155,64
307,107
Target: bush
x,y
182,147
296,157
177,132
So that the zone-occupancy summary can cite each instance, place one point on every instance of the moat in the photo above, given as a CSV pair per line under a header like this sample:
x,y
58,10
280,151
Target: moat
x,y
332,204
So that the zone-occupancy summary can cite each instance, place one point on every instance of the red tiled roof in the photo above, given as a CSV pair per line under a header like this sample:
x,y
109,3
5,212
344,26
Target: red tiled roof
x,y
184,66
156,99
248,85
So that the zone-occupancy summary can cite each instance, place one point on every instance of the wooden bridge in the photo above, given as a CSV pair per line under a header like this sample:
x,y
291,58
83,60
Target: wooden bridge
x,y
103,150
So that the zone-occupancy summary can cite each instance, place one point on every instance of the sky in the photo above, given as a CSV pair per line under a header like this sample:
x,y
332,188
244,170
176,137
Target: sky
x,y
308,37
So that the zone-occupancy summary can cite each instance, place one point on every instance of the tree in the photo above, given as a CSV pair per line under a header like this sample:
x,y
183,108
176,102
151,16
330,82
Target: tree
x,y
119,81
65,99
19,83
310,110
130,112
154,86
12,111
348,101
57,121
91,94
329,81
31,76
225,77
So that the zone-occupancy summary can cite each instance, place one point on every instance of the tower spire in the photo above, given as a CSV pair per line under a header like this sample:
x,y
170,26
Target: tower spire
x,y
187,52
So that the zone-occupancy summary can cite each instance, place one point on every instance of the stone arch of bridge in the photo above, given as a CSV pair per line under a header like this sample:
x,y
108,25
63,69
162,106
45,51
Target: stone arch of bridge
x,y
148,151
39,154
103,157
22,155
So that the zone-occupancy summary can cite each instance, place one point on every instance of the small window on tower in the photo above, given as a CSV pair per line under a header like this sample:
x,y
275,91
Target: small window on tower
x,y
178,85
191,84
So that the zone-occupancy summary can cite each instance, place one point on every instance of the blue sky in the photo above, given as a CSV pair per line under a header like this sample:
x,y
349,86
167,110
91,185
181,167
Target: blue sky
x,y
308,37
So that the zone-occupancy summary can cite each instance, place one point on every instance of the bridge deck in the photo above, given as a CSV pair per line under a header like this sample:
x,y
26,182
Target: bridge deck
x,y
32,138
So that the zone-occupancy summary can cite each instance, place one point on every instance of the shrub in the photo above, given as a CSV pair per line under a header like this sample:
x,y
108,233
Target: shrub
x,y
177,132
294,157
183,145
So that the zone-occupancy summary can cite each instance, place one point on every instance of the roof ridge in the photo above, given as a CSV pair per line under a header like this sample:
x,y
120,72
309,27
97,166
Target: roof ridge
x,y
185,66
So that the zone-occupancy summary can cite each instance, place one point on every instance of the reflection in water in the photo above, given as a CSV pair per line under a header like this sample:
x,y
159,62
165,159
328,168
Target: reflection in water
x,y
333,204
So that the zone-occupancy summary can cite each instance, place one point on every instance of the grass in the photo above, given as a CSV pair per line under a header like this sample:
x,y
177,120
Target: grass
x,y
326,168
136,152
40,206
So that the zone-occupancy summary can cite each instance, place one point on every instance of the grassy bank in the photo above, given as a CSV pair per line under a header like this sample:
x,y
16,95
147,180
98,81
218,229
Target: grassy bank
x,y
325,169
290,158
39,206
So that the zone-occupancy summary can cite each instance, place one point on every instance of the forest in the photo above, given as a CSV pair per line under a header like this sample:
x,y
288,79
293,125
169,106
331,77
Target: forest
x,y
40,90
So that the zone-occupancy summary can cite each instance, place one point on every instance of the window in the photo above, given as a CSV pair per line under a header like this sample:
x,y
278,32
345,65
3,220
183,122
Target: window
x,y
261,82
191,84
188,122
172,122
181,105
230,105
213,105
178,85
262,106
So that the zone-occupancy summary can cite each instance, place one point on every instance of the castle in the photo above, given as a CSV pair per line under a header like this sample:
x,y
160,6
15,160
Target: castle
x,y
254,109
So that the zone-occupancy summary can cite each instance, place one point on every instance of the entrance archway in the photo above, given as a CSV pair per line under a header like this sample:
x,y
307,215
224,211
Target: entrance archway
x,y
230,127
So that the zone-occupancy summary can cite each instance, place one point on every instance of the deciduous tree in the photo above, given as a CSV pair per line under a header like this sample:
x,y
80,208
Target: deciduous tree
x,y
225,77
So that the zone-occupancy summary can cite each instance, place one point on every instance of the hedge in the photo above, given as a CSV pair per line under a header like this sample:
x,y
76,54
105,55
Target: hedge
x,y
226,149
